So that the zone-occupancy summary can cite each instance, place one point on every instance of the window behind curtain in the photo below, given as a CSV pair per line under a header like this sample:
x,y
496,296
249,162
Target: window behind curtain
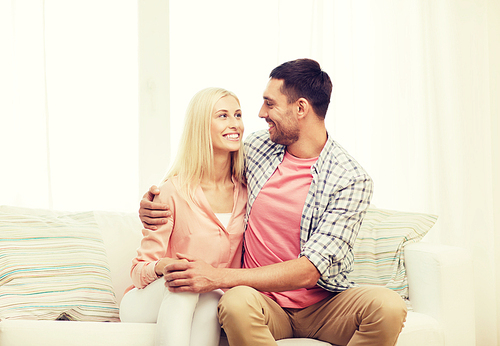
x,y
68,104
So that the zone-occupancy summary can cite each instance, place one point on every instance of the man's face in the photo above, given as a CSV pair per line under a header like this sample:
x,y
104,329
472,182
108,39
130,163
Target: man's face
x,y
279,115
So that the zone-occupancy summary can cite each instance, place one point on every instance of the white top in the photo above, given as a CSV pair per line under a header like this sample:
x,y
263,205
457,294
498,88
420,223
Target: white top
x,y
223,218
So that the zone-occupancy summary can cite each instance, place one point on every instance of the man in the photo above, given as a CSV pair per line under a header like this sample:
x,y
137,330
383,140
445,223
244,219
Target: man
x,y
306,200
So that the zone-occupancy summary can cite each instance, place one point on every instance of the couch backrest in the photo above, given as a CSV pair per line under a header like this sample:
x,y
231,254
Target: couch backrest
x,y
378,249
121,233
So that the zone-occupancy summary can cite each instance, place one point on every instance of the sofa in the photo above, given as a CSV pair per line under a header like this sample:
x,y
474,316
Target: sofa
x,y
62,276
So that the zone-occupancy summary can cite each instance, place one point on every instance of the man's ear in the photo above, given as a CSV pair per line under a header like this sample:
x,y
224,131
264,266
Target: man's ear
x,y
303,107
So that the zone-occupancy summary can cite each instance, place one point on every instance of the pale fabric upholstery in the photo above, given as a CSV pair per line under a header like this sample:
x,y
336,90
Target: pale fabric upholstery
x,y
54,267
440,312
379,248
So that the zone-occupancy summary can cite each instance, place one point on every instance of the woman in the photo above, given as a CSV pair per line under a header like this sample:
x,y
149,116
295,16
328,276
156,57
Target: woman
x,y
207,197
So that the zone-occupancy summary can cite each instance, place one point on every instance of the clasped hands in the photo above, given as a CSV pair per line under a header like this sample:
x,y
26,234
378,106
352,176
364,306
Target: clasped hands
x,y
189,274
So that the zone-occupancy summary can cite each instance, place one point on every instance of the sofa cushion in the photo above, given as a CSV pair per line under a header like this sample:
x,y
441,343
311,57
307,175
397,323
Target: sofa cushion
x,y
378,250
53,266
63,333
420,329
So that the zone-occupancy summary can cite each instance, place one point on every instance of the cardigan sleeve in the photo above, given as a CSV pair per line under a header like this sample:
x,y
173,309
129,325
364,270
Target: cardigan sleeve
x,y
154,244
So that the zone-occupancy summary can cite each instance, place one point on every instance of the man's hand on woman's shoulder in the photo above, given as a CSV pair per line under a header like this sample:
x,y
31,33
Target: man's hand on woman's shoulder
x,y
153,213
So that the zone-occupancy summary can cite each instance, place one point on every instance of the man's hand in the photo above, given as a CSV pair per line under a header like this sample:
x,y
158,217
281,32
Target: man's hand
x,y
153,213
199,277
191,275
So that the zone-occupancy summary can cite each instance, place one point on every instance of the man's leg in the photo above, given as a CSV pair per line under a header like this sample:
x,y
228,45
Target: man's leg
x,y
359,316
250,318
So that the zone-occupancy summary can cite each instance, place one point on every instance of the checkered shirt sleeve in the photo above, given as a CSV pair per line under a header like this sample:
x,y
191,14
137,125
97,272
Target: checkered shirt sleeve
x,y
335,205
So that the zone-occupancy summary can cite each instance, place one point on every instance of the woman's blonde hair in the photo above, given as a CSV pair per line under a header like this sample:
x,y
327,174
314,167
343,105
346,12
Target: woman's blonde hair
x,y
195,157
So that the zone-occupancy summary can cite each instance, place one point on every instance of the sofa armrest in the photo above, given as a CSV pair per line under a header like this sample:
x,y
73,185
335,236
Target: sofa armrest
x,y
440,285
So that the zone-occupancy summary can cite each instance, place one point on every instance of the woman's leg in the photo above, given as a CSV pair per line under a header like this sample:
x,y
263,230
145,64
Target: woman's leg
x,y
205,330
142,305
175,318
173,313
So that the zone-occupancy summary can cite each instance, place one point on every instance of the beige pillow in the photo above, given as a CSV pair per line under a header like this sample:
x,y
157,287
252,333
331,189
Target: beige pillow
x,y
53,266
378,250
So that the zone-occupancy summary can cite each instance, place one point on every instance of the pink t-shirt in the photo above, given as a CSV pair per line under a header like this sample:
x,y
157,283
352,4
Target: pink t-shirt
x,y
273,231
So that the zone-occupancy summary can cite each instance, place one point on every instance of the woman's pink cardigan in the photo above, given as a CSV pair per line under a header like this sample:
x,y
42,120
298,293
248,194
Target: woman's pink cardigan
x,y
193,230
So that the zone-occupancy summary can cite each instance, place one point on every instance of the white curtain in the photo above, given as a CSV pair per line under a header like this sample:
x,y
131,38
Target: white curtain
x,y
416,101
416,89
68,104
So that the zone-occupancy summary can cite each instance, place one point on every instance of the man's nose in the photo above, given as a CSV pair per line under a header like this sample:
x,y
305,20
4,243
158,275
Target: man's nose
x,y
262,112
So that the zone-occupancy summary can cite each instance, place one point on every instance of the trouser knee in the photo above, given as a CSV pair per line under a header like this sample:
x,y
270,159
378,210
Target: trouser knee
x,y
237,300
394,307
237,305
389,309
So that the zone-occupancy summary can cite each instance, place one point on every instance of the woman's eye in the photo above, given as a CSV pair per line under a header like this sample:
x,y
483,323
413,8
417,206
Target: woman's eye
x,y
223,115
238,115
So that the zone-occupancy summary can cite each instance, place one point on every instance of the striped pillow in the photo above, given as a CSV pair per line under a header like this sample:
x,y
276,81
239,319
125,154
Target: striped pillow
x,y
54,267
378,250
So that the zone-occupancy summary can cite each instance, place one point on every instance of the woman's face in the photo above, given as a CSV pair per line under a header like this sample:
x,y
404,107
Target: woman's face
x,y
226,125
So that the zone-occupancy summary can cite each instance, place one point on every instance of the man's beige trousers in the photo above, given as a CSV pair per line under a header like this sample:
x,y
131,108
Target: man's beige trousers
x,y
359,316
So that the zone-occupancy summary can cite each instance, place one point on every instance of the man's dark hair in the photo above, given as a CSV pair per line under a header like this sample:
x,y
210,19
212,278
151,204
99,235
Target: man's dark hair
x,y
304,78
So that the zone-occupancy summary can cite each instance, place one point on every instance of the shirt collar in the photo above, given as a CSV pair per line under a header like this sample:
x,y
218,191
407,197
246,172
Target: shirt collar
x,y
325,152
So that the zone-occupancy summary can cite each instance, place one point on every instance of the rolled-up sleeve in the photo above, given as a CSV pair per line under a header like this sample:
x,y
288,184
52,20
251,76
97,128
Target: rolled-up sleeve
x,y
332,236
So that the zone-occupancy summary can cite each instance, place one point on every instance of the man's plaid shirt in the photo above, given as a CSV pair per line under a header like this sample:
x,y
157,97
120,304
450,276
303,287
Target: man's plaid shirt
x,y
335,205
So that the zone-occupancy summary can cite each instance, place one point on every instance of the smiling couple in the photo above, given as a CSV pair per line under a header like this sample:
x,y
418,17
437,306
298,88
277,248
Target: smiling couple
x,y
299,198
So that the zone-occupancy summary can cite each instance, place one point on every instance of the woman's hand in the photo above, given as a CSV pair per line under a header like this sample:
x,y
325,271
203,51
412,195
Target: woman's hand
x,y
162,263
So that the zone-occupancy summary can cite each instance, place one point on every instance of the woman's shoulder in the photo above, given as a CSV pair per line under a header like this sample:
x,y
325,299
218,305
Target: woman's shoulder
x,y
167,184
169,188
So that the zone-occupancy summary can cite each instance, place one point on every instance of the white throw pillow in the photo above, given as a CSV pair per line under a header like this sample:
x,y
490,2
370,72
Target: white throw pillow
x,y
378,250
53,265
